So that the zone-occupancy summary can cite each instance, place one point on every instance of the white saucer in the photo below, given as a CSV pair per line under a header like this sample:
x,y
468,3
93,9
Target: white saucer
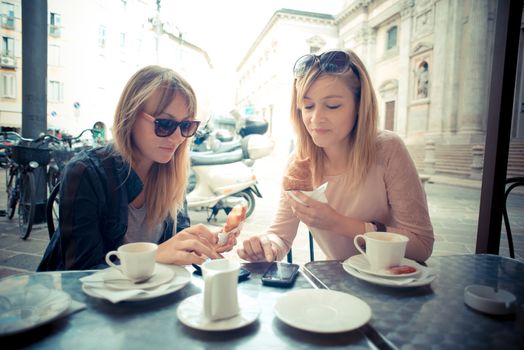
x,y
190,313
322,310
360,263
426,277
26,307
182,277
113,278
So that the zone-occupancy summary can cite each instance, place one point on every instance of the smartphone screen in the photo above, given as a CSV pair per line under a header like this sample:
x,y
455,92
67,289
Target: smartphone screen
x,y
280,274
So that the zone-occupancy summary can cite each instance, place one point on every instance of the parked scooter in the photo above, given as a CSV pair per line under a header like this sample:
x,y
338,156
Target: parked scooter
x,y
223,140
224,179
208,139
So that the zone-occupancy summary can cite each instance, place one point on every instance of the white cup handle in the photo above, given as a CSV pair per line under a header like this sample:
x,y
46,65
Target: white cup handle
x,y
112,264
208,294
355,242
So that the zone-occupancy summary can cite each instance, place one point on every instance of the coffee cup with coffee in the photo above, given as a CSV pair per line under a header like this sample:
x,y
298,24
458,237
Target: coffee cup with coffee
x,y
383,249
137,260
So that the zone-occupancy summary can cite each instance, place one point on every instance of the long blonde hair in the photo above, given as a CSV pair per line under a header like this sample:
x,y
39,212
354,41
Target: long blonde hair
x,y
165,185
361,143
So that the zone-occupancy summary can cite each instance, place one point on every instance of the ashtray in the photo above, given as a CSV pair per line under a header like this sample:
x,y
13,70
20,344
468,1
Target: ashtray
x,y
490,301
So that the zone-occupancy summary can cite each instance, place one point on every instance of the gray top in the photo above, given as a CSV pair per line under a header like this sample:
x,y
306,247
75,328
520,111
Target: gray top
x,y
137,230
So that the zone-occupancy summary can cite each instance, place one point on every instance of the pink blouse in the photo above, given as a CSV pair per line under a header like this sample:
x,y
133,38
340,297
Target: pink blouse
x,y
391,194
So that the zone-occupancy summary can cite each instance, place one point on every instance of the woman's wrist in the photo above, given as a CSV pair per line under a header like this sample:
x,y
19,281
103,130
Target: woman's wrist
x,y
350,226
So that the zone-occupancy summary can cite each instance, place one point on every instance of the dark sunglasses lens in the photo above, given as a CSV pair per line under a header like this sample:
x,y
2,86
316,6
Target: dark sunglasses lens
x,y
165,127
303,64
334,62
189,128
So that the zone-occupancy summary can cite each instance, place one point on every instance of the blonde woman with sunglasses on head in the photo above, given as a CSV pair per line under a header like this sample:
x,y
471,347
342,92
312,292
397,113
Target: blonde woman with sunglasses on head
x,y
134,190
372,181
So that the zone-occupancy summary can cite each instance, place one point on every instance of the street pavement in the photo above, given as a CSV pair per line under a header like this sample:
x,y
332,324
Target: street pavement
x,y
453,205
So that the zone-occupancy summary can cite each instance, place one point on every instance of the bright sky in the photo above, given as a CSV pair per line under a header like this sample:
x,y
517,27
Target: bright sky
x,y
223,27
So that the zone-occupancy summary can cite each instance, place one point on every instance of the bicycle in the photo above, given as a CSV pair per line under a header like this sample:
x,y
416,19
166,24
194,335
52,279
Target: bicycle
x,y
24,158
63,151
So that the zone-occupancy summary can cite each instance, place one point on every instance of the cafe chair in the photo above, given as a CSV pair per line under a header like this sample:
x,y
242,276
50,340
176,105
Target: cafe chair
x,y
311,251
511,183
49,210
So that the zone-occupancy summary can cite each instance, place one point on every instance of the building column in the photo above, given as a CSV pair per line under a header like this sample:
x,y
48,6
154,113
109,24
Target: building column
x,y
452,77
474,82
404,44
438,70
34,67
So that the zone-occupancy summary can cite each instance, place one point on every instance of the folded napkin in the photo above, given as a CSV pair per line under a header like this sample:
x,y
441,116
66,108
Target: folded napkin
x,y
74,307
317,194
95,283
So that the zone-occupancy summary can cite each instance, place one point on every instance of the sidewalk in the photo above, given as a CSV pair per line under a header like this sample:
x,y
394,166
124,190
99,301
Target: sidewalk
x,y
453,205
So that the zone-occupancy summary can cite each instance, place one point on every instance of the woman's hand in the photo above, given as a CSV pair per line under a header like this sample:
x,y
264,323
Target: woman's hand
x,y
231,241
190,246
258,248
314,213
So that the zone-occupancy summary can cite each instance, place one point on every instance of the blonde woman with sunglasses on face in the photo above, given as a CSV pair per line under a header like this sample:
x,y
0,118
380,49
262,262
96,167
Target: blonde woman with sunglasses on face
x,y
134,189
372,181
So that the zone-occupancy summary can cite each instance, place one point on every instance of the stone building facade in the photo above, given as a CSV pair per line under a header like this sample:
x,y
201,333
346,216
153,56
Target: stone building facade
x,y
429,61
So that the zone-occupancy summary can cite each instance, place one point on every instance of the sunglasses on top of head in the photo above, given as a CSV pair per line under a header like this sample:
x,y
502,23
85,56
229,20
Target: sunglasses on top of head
x,y
165,127
328,62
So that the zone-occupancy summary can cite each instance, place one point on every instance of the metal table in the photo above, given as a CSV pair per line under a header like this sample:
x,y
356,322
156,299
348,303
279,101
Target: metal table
x,y
153,324
435,316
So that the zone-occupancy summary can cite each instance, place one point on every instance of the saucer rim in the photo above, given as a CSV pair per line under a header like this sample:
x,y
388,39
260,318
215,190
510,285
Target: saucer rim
x,y
425,278
306,294
243,319
405,261
65,303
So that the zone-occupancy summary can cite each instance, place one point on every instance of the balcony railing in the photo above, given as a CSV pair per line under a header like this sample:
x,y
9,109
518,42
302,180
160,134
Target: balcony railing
x,y
55,31
7,21
7,61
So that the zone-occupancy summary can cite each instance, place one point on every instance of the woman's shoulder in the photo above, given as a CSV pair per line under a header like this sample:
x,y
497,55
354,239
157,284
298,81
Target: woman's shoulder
x,y
89,159
388,137
388,142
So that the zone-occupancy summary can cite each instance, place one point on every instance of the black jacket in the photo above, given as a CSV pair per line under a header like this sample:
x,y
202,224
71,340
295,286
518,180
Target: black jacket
x,y
96,189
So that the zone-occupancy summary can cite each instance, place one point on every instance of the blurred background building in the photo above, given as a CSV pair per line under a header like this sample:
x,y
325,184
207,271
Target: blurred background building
x,y
429,61
93,49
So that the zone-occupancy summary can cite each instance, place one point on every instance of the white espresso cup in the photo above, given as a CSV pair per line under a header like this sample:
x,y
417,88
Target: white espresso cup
x,y
383,249
137,260
220,289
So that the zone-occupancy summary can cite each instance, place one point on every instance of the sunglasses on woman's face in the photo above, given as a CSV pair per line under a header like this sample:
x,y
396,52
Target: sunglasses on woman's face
x,y
166,127
328,62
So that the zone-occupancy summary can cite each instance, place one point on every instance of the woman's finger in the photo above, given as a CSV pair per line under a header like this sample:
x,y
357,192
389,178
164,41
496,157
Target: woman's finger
x,y
250,251
258,249
202,232
197,246
267,248
189,258
242,254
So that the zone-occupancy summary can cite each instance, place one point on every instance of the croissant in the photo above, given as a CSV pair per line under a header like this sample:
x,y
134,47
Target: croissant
x,y
235,220
298,176
235,217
